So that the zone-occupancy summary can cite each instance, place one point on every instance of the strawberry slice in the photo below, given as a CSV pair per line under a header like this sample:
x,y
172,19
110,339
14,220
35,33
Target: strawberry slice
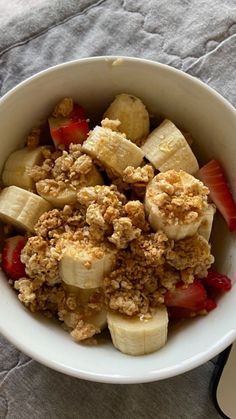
x,y
212,175
176,313
72,132
193,297
210,304
216,281
73,129
78,113
11,263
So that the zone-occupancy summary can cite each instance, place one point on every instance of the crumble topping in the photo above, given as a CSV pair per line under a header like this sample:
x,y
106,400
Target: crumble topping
x,y
84,330
64,170
104,204
150,248
150,265
52,224
136,213
110,216
124,232
41,260
153,265
141,175
32,140
77,316
133,180
38,296
178,202
55,300
134,283
192,252
63,108
112,124
42,172
103,195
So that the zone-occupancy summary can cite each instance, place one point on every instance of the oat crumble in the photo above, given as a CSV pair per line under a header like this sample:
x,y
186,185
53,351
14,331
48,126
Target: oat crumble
x,y
64,171
112,124
33,137
140,175
192,252
63,108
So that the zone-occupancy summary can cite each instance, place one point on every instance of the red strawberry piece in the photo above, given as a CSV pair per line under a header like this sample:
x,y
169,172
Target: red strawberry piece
x,y
192,297
210,304
78,113
212,175
73,129
73,132
11,263
216,281
176,313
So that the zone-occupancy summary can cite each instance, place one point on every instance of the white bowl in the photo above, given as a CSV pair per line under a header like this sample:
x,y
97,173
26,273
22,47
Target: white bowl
x,y
194,107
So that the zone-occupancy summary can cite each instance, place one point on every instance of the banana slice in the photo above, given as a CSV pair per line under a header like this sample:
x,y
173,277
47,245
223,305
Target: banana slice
x,y
133,116
83,295
21,208
98,319
85,266
16,168
207,221
48,189
176,203
112,149
134,336
166,148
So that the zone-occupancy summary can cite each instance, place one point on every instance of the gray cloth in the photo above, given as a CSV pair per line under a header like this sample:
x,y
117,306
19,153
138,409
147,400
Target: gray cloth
x,y
196,36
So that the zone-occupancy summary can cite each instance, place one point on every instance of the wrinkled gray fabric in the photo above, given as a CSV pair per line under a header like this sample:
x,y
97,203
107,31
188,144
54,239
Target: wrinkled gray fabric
x,y
196,36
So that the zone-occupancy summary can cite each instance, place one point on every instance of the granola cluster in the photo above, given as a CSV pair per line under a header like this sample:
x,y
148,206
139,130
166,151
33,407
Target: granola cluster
x,y
152,265
139,176
146,264
64,171
33,138
38,296
63,108
42,253
110,216
192,254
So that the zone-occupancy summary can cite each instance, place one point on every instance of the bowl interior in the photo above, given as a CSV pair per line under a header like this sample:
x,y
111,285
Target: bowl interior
x,y
194,108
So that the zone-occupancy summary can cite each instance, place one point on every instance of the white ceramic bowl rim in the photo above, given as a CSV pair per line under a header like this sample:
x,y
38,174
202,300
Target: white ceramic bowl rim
x,y
113,58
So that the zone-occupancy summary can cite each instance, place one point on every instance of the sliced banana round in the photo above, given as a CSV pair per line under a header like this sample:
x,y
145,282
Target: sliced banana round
x,y
58,197
97,318
85,266
134,336
166,148
82,294
21,208
207,221
133,116
112,149
16,168
48,190
176,203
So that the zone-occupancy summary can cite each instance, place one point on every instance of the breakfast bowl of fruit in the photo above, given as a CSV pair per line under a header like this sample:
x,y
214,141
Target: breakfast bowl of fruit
x,y
118,219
